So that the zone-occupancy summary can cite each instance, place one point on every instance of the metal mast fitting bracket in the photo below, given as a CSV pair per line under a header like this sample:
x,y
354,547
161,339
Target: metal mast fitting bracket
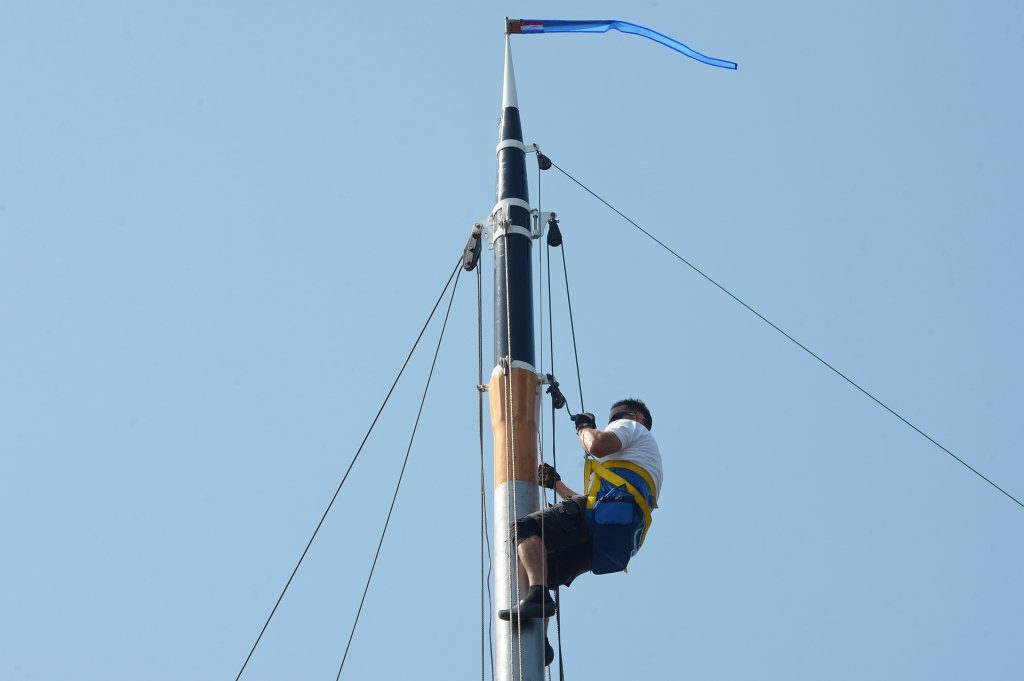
x,y
503,228
497,225
541,219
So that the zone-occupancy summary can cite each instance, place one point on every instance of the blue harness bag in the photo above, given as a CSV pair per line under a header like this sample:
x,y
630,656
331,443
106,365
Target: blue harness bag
x,y
617,514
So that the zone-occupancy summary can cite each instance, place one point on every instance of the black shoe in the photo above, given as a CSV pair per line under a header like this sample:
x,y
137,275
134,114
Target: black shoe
x,y
549,653
530,610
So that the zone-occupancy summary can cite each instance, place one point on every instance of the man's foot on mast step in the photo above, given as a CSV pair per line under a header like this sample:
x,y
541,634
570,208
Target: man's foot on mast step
x,y
538,604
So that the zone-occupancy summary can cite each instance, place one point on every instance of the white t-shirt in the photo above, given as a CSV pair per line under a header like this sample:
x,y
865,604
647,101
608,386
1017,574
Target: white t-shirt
x,y
639,447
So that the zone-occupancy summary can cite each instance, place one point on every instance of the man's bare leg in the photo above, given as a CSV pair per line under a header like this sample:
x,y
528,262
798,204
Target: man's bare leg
x,y
530,557
532,562
534,602
524,578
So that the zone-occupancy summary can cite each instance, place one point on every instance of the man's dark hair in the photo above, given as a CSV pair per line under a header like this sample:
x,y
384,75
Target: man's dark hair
x,y
633,404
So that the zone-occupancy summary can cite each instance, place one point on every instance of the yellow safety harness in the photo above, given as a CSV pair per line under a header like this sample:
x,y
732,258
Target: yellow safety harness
x,y
594,472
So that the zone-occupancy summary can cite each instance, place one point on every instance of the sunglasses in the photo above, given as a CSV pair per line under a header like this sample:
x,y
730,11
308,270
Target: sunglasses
x,y
620,415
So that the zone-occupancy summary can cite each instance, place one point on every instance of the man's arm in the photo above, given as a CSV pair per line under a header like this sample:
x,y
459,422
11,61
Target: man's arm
x,y
598,442
594,441
549,477
563,491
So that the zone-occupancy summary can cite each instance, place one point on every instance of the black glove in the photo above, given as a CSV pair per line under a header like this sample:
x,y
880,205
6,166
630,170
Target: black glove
x,y
584,420
547,476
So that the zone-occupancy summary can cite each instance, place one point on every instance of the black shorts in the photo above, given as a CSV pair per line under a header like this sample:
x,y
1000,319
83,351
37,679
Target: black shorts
x,y
566,537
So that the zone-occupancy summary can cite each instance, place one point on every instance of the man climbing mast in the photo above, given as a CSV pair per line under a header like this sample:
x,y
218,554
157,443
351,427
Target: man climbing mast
x,y
599,531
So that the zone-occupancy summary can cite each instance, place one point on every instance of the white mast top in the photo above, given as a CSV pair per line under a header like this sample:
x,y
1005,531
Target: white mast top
x,y
508,96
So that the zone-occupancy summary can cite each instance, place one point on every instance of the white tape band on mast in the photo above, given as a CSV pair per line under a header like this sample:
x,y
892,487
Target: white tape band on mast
x,y
512,229
513,144
516,364
505,204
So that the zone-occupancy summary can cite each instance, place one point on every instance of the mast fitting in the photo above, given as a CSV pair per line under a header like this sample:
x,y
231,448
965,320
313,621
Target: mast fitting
x,y
513,144
554,233
542,220
543,162
557,398
496,225
471,253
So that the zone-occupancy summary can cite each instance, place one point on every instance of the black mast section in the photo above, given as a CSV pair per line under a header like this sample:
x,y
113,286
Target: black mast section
x,y
513,266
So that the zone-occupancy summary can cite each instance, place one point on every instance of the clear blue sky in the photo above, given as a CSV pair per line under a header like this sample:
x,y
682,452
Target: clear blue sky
x,y
221,225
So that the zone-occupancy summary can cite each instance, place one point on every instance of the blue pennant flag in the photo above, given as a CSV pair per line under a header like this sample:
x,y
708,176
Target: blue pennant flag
x,y
526,26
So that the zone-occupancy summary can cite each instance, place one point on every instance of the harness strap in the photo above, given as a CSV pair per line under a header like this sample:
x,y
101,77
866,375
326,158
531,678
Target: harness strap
x,y
630,466
594,471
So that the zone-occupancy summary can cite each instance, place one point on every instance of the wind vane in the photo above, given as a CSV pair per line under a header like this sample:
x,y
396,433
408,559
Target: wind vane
x,y
528,26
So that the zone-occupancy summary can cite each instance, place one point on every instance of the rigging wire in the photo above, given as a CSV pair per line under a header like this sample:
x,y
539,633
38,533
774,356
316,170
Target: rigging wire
x,y
348,470
539,341
540,289
554,462
401,475
485,537
540,425
554,440
572,327
791,338
540,412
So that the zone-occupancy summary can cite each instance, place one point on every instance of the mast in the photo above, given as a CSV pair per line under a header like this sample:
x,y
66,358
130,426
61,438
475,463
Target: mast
x,y
513,389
